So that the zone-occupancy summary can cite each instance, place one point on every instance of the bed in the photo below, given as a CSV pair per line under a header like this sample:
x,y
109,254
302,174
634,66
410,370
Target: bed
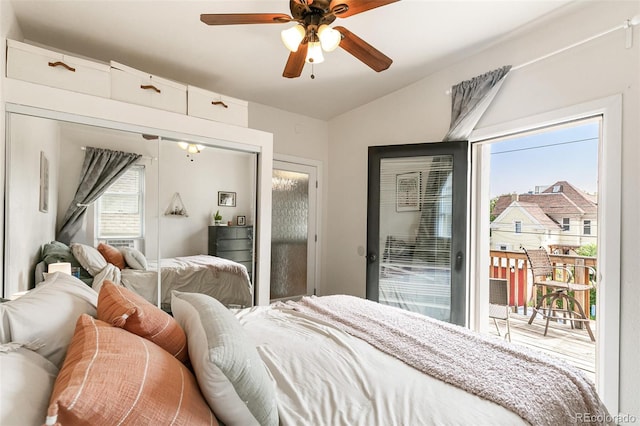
x,y
332,360
220,278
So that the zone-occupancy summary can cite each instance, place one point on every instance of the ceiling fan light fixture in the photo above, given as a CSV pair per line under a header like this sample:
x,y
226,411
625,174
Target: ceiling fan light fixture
x,y
329,38
292,37
183,145
314,53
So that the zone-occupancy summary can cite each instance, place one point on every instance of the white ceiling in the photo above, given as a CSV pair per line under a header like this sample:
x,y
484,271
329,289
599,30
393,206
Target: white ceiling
x,y
166,38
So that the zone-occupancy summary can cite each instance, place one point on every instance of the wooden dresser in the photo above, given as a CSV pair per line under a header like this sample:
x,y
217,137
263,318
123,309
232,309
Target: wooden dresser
x,y
233,243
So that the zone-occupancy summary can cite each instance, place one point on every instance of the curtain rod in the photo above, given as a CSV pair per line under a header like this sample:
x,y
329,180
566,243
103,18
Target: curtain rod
x,y
143,157
627,25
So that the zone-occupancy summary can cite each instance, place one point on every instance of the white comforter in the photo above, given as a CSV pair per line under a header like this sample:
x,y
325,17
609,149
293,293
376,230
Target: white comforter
x,y
222,279
327,377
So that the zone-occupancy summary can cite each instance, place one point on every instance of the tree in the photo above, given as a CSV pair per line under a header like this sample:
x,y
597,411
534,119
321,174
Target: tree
x,y
590,250
492,204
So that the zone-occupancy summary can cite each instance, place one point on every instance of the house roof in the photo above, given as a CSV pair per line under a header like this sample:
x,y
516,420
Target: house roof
x,y
538,214
567,200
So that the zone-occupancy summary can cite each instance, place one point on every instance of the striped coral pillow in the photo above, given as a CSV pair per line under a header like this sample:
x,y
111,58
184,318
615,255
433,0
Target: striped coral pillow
x,y
123,308
111,376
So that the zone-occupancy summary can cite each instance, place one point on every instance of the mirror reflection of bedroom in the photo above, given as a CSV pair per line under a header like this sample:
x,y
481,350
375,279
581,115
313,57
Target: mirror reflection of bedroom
x,y
117,205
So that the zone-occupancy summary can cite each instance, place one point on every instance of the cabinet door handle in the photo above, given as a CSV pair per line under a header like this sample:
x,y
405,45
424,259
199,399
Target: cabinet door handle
x,y
150,86
220,103
63,65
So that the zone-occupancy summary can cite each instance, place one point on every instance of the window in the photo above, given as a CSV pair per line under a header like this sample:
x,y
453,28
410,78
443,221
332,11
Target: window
x,y
565,224
119,211
586,227
518,227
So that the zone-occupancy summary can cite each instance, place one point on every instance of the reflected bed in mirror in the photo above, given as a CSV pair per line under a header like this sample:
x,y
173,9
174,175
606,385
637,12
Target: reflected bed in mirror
x,y
129,214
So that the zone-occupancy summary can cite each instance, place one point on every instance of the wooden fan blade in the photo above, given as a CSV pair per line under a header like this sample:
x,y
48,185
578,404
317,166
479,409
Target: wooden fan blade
x,y
362,50
354,7
244,18
295,63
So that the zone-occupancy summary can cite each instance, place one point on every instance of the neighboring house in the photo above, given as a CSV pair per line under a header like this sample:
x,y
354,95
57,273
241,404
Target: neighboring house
x,y
561,218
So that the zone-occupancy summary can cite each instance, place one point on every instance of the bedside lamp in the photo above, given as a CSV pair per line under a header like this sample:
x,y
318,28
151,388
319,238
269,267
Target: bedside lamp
x,y
60,267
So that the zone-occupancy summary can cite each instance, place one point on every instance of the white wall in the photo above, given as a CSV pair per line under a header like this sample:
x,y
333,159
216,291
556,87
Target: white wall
x,y
167,170
29,227
198,183
420,113
303,137
8,29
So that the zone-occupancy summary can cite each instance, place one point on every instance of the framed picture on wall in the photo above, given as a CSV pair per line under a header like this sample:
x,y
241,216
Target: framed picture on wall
x,y
241,221
44,183
226,199
408,191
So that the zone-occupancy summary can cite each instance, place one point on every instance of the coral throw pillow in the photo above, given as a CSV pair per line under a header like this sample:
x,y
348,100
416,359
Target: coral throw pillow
x,y
112,255
123,308
111,376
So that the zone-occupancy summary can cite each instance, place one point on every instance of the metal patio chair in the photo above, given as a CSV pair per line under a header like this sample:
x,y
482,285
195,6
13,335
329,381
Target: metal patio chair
x,y
554,291
499,303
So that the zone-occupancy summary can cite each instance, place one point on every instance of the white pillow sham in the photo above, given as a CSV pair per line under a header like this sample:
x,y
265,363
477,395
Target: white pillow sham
x,y
25,388
47,314
230,372
89,257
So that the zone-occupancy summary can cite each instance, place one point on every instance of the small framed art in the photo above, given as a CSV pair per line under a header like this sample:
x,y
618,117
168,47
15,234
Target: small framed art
x,y
241,221
226,199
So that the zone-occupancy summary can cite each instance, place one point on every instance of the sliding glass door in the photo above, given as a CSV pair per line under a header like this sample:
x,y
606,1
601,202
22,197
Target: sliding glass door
x,y
416,230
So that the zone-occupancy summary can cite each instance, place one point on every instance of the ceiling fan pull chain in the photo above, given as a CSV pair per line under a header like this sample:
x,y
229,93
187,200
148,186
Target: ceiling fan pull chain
x,y
312,72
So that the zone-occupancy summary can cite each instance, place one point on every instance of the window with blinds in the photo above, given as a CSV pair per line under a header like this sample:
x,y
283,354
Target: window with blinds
x,y
120,210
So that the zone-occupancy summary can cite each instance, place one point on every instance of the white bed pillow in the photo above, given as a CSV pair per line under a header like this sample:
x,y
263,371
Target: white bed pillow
x,y
26,385
48,314
89,257
134,258
230,372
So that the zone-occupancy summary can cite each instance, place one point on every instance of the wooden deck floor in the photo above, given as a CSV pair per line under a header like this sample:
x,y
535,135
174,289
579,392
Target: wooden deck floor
x,y
573,346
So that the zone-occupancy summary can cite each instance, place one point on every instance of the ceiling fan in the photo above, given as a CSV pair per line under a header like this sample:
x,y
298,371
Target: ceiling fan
x,y
312,34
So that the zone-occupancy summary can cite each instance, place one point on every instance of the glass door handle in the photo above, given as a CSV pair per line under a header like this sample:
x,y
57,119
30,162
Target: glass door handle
x,y
458,261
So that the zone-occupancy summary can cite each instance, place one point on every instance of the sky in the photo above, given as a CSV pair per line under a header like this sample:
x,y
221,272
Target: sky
x,y
520,164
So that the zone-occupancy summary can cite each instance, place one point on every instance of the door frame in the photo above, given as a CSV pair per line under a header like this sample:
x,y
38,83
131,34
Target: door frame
x,y
459,150
609,228
318,240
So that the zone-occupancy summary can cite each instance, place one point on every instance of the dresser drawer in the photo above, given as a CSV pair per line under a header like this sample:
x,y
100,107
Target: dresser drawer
x,y
240,244
137,87
43,66
236,255
214,106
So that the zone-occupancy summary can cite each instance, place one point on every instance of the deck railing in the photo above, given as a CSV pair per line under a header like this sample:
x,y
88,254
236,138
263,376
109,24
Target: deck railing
x,y
515,268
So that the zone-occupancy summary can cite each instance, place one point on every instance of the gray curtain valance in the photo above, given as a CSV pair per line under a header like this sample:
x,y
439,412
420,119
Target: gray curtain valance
x,y
469,101
100,169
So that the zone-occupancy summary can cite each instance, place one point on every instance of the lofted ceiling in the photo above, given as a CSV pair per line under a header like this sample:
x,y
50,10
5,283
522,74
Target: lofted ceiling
x,y
166,38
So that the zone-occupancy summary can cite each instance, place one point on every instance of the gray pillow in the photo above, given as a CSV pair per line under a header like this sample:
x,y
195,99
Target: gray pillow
x,y
134,258
56,251
230,372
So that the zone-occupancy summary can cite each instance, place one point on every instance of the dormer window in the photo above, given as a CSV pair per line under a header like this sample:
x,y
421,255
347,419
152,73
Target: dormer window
x,y
557,188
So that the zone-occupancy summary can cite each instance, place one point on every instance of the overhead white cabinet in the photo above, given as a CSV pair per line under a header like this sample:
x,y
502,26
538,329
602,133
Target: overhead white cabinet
x,y
138,87
50,68
214,106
